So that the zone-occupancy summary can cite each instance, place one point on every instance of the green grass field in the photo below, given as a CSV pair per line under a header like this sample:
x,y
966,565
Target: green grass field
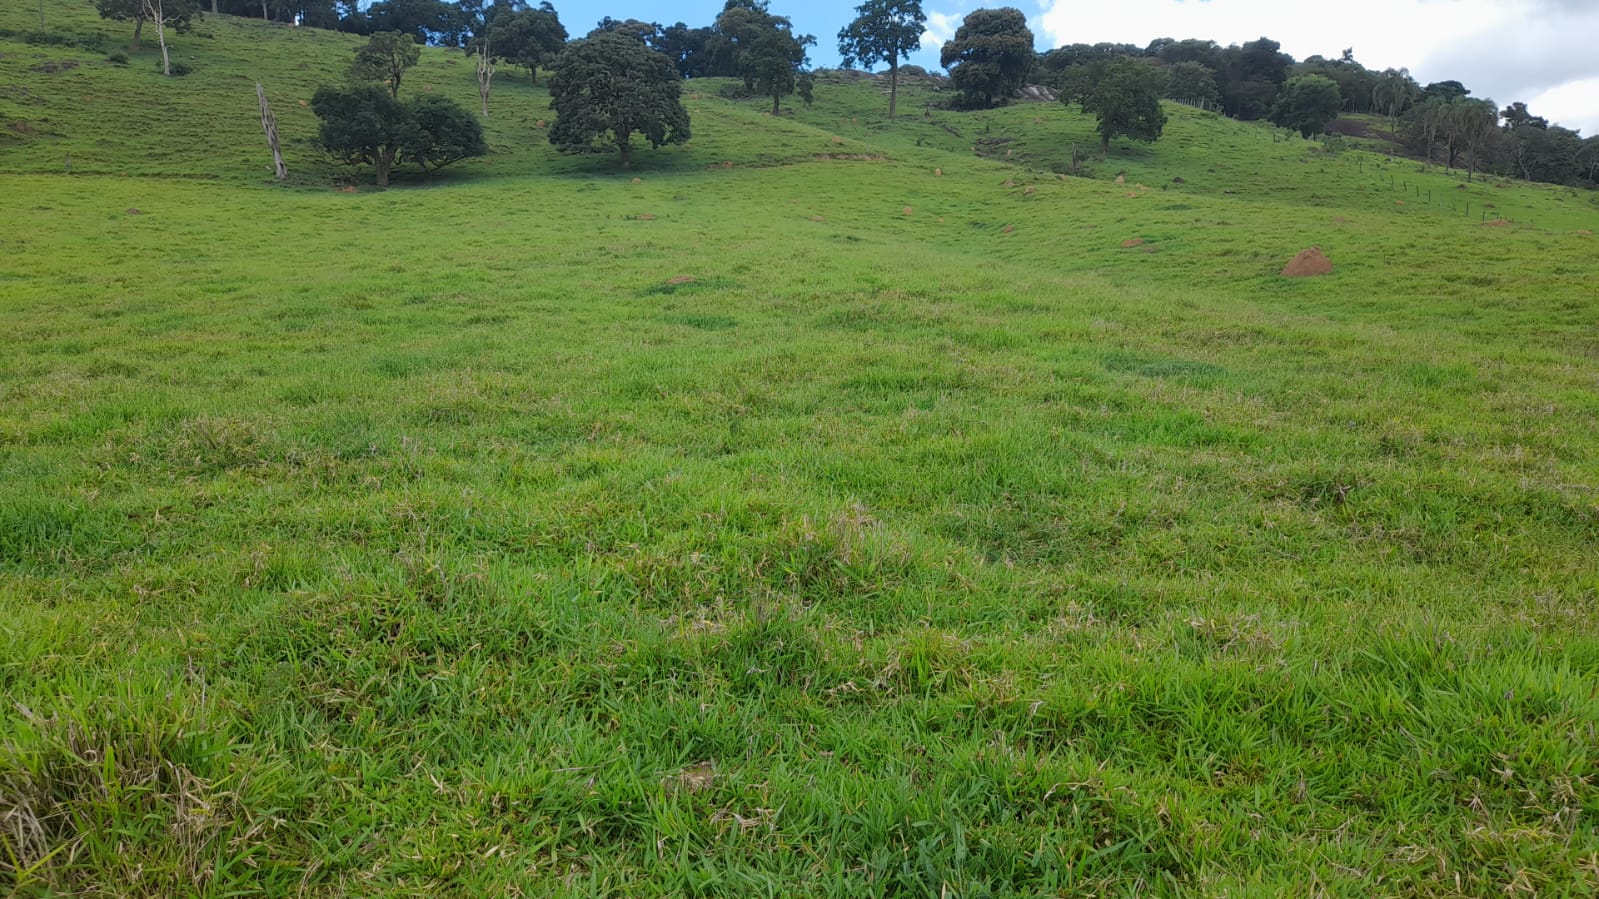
x,y
859,518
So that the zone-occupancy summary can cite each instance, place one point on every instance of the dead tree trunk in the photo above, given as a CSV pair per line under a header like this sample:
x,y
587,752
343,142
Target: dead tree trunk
x,y
158,17
269,124
485,75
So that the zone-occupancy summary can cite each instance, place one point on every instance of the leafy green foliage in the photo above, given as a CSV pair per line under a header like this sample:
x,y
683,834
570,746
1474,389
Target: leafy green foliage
x,y
607,87
1123,95
989,56
1308,103
385,58
884,31
366,125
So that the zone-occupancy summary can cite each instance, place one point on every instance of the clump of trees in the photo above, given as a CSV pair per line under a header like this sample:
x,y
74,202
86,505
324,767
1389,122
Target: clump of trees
x,y
610,86
989,57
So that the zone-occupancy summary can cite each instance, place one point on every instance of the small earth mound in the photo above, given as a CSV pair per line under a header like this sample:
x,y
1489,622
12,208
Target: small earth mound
x,y
539,124
1132,195
727,163
1007,229
134,210
1340,220
303,103
909,210
638,180
1495,223
1584,233
644,217
1179,180
347,189
1309,263
938,173
1121,179
1009,183
681,279
1399,202
817,218
1030,191
1132,242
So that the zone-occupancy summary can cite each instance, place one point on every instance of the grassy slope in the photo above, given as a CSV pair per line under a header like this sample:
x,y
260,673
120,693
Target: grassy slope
x,y
898,553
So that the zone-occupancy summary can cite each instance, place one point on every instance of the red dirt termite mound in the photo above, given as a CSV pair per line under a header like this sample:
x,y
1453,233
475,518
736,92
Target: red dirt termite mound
x,y
1309,263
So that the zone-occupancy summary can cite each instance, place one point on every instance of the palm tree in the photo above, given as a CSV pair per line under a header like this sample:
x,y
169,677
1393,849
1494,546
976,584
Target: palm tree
x,y
1393,92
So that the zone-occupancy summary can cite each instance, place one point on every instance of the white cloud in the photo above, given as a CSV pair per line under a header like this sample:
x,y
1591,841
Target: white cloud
x,y
1505,49
940,28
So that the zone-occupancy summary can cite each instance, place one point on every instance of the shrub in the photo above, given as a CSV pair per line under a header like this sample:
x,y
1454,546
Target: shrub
x,y
120,59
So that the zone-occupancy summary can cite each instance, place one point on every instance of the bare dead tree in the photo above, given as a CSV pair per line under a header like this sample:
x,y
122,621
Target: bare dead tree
x,y
269,124
157,15
485,75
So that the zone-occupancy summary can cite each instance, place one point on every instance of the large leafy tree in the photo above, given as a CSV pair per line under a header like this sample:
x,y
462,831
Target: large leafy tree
x,y
366,125
608,87
1124,94
990,55
765,51
885,31
385,58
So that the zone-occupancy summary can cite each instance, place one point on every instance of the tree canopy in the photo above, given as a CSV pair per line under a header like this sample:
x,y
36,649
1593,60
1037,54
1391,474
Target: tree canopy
x,y
990,55
885,31
606,88
366,125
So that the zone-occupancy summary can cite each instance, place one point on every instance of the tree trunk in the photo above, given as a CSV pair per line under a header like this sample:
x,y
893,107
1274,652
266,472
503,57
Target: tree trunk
x,y
1104,145
269,124
264,11
385,162
138,29
533,74
485,77
214,8
627,153
158,18
893,85
775,97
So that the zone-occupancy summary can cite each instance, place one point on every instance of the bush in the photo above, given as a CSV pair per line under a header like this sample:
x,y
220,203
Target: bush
x,y
120,59
179,69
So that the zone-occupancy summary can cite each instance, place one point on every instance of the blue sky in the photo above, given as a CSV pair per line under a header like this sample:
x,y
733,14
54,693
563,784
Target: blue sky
x,y
1536,51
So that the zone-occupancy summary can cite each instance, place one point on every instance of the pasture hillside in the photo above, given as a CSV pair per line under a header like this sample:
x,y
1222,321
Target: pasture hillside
x,y
831,506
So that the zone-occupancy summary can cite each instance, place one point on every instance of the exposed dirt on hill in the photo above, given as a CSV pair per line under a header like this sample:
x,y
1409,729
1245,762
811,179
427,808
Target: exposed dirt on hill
x,y
1309,263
